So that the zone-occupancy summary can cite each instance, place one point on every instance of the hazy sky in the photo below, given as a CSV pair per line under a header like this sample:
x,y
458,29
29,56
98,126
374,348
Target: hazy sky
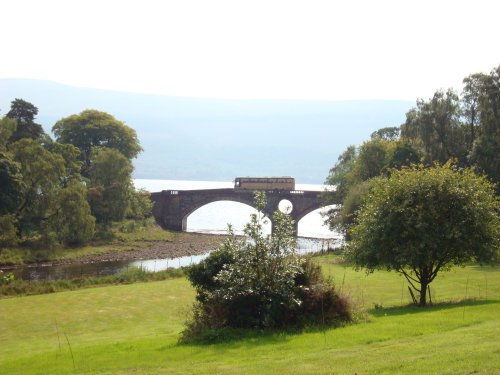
x,y
308,49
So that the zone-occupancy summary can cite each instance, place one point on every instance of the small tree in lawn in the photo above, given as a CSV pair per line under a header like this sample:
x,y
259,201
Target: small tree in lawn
x,y
419,221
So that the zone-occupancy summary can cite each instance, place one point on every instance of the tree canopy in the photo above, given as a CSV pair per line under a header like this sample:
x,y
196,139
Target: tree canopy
x,y
421,220
56,192
24,113
91,129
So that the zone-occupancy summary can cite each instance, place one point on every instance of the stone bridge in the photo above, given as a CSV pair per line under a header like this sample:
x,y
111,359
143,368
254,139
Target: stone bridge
x,y
172,207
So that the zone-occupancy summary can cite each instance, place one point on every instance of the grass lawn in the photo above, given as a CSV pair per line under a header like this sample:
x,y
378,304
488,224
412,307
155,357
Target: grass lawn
x,y
130,329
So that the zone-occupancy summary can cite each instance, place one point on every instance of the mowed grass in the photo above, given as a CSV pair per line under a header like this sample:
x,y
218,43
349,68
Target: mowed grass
x,y
131,329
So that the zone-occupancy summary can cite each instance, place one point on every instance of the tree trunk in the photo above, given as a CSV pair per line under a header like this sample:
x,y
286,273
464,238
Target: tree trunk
x,y
423,293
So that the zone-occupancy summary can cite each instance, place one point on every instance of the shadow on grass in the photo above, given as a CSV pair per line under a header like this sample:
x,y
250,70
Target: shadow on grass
x,y
255,337
413,309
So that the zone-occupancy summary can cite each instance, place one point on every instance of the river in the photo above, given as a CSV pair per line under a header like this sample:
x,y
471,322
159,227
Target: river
x,y
212,218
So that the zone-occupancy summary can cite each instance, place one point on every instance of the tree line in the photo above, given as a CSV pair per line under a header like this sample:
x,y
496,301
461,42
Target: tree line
x,y
463,128
66,190
423,196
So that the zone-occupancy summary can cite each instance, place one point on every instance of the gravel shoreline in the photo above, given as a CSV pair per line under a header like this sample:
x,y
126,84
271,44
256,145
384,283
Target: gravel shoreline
x,y
184,244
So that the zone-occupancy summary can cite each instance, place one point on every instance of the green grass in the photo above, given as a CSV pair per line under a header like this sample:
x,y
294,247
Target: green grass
x,y
142,237
131,275
130,329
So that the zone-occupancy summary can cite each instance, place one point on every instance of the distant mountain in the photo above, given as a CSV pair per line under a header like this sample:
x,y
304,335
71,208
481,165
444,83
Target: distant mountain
x,y
212,139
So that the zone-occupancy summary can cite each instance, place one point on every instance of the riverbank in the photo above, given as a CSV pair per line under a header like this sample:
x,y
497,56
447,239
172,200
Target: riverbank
x,y
149,243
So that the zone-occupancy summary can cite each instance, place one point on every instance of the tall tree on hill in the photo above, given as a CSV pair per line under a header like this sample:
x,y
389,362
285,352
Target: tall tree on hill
x,y
24,113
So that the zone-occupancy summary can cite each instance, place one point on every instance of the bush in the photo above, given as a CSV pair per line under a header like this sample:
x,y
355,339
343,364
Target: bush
x,y
259,282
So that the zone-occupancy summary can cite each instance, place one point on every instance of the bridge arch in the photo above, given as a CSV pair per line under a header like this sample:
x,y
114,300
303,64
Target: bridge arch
x,y
172,208
216,215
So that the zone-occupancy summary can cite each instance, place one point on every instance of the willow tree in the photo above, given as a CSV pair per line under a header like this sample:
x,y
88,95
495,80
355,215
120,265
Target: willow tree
x,y
420,221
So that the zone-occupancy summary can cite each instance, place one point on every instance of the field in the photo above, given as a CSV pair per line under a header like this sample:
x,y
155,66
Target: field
x,y
130,329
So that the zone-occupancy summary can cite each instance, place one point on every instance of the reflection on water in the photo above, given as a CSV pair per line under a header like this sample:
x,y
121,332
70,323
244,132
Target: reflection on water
x,y
68,271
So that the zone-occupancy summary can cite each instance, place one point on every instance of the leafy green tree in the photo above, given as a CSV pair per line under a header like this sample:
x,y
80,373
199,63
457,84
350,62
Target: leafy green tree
x,y
389,133
110,185
24,113
91,129
72,164
8,231
435,126
41,172
343,217
403,155
372,159
420,221
72,222
52,196
11,182
7,128
140,205
485,152
471,98
340,176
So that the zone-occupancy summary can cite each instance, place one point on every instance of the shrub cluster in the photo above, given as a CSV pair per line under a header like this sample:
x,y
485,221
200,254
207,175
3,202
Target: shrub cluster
x,y
259,282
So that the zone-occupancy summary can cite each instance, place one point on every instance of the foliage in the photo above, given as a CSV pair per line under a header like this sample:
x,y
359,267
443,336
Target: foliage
x,y
72,222
340,176
7,128
110,185
435,126
445,127
24,113
41,173
44,195
343,217
403,155
12,184
6,278
350,177
485,96
140,205
423,220
259,282
94,129
389,133
8,231
371,160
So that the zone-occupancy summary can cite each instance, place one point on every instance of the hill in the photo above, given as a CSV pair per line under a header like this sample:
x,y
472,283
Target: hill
x,y
218,139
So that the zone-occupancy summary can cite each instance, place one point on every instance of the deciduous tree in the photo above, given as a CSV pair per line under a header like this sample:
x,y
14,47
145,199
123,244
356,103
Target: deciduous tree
x,y
110,185
420,221
91,129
